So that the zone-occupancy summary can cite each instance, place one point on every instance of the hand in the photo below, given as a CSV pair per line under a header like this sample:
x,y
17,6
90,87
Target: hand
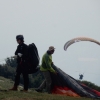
x,y
20,55
52,63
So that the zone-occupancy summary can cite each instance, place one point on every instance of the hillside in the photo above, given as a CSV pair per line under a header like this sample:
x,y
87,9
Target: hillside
x,y
8,71
5,84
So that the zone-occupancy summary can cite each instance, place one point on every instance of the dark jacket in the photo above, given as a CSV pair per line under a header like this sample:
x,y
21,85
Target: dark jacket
x,y
22,61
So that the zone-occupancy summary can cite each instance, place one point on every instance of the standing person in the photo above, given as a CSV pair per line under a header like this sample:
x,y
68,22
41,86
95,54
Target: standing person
x,y
21,54
46,68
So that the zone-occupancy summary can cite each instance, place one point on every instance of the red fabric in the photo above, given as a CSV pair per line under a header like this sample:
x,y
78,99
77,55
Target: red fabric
x,y
95,91
98,93
64,91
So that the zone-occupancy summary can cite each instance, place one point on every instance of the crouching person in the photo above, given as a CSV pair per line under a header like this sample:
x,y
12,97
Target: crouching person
x,y
46,68
21,54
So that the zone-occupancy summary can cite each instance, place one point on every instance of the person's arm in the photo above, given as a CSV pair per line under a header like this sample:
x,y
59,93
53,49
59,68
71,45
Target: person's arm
x,y
18,52
48,64
25,52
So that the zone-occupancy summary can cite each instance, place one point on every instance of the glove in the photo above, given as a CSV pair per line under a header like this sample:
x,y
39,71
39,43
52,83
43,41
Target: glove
x,y
14,56
52,64
20,55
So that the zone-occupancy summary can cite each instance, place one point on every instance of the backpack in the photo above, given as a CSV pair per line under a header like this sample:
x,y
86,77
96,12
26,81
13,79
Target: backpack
x,y
33,59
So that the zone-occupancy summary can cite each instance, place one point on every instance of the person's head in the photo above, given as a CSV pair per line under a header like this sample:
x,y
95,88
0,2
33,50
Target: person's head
x,y
19,39
51,49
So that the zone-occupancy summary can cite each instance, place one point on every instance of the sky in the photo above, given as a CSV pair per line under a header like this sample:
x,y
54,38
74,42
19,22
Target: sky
x,y
53,23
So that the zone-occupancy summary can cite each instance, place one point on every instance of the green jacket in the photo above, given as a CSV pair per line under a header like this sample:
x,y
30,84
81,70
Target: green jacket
x,y
46,63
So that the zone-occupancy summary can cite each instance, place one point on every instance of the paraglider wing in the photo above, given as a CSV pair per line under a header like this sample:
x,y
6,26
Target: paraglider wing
x,y
78,40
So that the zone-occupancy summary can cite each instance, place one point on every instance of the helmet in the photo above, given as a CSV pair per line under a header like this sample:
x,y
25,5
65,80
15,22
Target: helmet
x,y
20,37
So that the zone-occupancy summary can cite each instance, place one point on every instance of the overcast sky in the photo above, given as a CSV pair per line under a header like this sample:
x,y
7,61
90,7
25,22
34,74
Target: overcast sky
x,y
54,22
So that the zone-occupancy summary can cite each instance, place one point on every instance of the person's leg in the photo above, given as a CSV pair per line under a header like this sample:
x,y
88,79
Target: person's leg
x,y
26,81
42,86
17,80
48,81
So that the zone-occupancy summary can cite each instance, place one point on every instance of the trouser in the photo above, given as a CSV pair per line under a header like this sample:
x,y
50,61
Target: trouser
x,y
47,82
25,77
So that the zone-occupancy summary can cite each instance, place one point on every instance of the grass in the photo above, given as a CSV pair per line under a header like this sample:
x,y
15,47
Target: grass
x,y
31,95
5,83
34,96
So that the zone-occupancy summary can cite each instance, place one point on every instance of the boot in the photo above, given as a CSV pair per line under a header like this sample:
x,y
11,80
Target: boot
x,y
38,90
15,88
24,90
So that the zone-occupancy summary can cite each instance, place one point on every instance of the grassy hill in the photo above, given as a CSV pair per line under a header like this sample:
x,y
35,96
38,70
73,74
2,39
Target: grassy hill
x,y
5,84
34,96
